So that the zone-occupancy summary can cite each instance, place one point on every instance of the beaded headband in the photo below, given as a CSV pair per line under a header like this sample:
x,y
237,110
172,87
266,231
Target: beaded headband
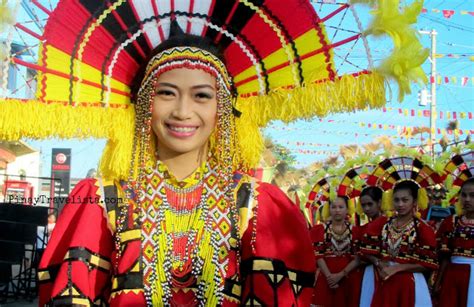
x,y
187,57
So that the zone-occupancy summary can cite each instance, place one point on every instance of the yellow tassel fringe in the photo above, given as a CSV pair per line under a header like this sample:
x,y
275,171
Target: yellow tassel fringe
x,y
38,120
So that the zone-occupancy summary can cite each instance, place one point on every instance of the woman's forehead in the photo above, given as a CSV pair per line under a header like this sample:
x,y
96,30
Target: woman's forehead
x,y
186,76
402,192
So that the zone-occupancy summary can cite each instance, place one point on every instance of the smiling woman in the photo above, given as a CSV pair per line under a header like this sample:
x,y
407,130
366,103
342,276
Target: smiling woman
x,y
184,115
193,229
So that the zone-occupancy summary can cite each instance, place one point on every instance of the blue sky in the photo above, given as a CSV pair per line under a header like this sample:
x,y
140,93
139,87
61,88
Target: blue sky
x,y
456,36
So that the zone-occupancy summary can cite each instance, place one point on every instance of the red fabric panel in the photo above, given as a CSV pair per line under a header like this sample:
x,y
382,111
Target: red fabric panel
x,y
455,284
281,230
296,16
236,60
348,292
281,234
68,17
61,31
397,291
129,257
81,224
128,300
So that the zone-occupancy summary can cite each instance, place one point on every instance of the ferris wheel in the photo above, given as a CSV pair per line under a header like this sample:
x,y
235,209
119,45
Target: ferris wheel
x,y
23,24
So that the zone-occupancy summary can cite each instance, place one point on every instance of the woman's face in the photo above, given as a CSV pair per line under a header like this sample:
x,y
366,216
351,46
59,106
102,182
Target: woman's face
x,y
370,207
403,202
467,198
184,111
338,209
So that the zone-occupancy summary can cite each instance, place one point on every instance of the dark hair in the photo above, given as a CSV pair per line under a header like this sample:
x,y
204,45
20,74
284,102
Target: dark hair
x,y
467,182
344,197
177,38
375,193
407,185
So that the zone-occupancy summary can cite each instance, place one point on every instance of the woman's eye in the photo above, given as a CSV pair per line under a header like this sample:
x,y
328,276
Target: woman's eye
x,y
204,95
164,93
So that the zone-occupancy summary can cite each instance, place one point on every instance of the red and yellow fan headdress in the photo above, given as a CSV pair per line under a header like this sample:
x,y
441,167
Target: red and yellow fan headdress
x,y
393,170
457,170
282,62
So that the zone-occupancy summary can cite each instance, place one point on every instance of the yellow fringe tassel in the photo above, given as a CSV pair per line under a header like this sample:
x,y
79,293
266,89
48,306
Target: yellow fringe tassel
x,y
37,120
422,199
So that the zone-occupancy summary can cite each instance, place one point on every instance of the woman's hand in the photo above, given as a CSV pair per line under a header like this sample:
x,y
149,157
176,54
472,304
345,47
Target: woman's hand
x,y
333,279
386,271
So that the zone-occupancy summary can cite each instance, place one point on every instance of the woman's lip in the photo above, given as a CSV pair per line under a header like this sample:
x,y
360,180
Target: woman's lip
x,y
181,131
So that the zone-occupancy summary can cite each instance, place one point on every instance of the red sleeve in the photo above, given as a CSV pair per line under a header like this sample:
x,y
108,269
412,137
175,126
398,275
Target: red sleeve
x,y
319,244
443,235
75,267
281,268
370,239
357,232
425,247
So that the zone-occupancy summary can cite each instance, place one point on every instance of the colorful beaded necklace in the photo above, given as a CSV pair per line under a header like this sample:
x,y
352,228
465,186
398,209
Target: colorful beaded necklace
x,y
186,235
340,242
393,236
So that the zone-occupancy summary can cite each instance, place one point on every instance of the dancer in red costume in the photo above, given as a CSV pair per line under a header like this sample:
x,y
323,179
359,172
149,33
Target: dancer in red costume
x,y
338,279
188,231
401,248
455,283
371,204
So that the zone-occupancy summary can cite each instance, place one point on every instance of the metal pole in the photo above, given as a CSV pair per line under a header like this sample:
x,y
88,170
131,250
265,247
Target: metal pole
x,y
433,34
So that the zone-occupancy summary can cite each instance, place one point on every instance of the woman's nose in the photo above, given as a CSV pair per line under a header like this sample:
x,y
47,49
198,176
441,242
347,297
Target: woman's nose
x,y
183,108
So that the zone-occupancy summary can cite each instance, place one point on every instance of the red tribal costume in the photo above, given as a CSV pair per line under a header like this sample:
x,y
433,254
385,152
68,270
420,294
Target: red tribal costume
x,y
416,244
338,251
80,264
456,242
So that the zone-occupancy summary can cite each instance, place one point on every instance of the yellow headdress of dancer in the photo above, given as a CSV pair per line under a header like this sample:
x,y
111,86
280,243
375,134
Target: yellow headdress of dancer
x,y
278,55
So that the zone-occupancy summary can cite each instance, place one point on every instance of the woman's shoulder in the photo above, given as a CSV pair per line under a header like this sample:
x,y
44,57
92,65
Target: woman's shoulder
x,y
426,233
376,225
448,224
247,186
424,227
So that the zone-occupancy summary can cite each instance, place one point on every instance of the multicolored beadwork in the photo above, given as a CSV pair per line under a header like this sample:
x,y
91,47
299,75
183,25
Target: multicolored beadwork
x,y
185,247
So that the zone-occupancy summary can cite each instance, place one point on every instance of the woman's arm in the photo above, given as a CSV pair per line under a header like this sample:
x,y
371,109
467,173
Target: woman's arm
x,y
349,267
323,267
76,265
330,277
439,277
387,271
374,260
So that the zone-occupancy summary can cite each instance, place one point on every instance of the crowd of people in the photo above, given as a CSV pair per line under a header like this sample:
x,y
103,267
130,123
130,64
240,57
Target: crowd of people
x,y
397,258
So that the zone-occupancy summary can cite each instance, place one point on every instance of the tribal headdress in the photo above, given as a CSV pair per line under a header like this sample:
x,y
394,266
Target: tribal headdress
x,y
318,198
391,171
285,60
325,190
457,170
353,182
